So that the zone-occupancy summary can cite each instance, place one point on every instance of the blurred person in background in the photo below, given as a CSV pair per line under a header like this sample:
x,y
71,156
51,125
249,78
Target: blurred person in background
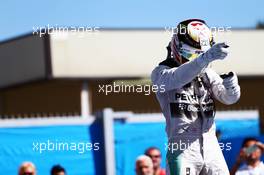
x,y
155,154
144,165
27,168
248,161
57,170
188,88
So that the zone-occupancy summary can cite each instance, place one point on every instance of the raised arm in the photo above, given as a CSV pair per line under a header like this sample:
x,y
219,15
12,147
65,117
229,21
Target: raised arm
x,y
174,78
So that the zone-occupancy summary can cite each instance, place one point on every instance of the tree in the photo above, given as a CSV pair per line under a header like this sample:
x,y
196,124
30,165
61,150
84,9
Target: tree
x,y
260,25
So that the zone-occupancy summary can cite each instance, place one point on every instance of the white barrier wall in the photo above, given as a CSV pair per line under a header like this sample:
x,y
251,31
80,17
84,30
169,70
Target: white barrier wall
x,y
134,53
107,53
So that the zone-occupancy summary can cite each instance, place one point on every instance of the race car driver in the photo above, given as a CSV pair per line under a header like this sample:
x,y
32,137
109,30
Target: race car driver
x,y
187,102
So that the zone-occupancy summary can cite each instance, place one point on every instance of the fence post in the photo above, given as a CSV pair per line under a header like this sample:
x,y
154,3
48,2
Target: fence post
x,y
109,147
85,100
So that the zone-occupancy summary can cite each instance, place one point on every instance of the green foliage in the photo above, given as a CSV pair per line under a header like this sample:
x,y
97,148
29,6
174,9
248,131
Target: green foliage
x,y
260,25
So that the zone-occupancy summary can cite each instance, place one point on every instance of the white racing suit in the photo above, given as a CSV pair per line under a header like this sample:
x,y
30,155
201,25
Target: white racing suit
x,y
187,103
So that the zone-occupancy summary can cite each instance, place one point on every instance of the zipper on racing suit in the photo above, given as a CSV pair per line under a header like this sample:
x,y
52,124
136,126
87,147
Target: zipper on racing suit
x,y
201,88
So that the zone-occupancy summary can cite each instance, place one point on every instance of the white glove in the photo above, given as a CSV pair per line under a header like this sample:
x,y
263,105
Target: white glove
x,y
231,84
217,51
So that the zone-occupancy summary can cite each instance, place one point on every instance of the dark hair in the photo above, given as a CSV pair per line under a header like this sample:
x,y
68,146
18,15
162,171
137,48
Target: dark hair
x,y
247,140
150,149
56,169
